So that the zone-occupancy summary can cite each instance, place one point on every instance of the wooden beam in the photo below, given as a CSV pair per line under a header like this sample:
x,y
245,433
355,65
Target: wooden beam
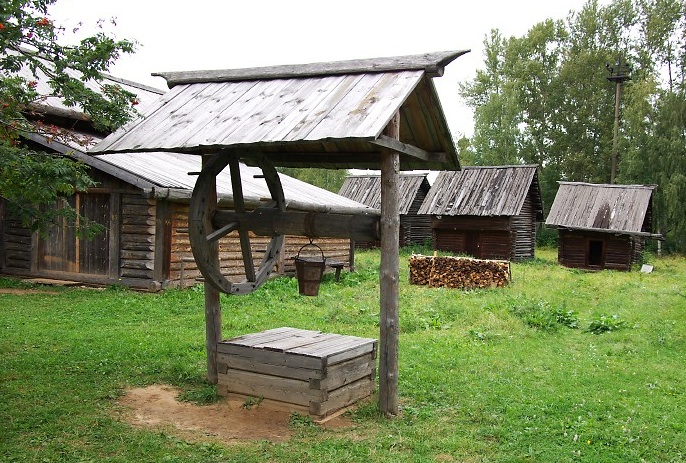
x,y
213,315
409,150
389,275
272,222
432,64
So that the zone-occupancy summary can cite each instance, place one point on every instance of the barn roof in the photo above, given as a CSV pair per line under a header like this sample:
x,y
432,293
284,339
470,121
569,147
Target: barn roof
x,y
366,189
484,191
314,115
55,105
604,208
166,175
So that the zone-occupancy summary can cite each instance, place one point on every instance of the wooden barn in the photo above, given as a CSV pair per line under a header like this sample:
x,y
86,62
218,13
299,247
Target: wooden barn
x,y
486,212
142,201
601,226
412,189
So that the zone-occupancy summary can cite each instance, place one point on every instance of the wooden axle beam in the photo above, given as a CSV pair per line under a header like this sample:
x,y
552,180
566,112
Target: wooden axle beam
x,y
272,222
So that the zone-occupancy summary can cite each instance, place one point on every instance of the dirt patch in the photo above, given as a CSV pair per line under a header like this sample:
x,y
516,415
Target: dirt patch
x,y
17,291
228,420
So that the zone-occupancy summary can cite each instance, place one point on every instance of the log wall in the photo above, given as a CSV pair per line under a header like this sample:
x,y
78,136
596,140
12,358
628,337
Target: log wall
x,y
483,237
573,250
137,238
184,272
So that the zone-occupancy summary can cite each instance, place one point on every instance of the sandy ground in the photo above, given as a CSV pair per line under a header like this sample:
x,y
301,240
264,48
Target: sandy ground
x,y
228,420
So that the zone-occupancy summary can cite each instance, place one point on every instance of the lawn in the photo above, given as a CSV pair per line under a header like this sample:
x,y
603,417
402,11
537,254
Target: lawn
x,y
561,365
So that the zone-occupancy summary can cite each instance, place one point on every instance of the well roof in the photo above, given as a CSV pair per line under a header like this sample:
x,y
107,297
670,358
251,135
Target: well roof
x,y
315,115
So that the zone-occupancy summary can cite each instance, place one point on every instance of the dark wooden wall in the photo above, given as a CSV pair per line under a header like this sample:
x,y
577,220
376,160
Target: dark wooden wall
x,y
573,250
499,237
184,272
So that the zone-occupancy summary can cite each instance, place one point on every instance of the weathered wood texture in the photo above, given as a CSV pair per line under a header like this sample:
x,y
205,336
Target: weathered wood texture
x,y
484,191
329,118
625,209
413,188
458,272
597,251
184,272
486,212
304,370
389,324
431,63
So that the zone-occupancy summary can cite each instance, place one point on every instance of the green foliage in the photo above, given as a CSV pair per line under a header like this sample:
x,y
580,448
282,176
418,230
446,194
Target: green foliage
x,y
30,52
544,99
486,387
328,179
605,324
541,315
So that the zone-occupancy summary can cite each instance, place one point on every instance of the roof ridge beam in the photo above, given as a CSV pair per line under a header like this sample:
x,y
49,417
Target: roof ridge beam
x,y
431,63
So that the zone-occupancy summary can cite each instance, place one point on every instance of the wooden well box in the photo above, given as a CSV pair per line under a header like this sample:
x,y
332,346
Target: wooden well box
x,y
305,371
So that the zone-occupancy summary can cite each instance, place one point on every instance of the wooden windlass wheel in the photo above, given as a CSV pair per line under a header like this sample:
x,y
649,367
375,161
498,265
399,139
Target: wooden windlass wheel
x,y
205,233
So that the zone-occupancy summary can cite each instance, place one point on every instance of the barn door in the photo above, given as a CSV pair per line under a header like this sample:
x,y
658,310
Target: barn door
x,y
63,251
473,244
595,253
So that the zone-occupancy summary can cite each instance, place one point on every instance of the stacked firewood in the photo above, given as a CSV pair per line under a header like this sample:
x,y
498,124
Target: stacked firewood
x,y
458,272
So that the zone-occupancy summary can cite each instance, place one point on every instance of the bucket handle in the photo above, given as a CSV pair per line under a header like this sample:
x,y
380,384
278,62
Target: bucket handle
x,y
310,244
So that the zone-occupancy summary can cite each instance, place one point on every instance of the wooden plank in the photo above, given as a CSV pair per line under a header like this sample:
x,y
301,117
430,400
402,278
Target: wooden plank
x,y
210,107
345,373
262,337
271,387
271,357
347,108
238,362
342,397
431,63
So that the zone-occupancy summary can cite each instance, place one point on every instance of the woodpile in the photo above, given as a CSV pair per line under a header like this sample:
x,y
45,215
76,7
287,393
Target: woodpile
x,y
458,272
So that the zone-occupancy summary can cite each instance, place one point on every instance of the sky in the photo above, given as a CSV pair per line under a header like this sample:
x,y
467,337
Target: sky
x,y
226,34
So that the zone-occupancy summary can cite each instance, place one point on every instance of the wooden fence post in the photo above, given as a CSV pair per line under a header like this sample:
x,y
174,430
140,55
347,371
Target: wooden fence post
x,y
389,275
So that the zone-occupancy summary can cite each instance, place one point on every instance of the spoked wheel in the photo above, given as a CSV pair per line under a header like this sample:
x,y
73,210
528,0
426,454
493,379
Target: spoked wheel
x,y
205,233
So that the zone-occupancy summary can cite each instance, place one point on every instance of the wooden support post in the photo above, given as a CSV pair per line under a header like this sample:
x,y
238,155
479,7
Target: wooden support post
x,y
213,314
389,275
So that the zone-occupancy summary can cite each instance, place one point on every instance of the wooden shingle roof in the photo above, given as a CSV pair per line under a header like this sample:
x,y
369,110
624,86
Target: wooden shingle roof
x,y
605,208
316,115
484,191
366,189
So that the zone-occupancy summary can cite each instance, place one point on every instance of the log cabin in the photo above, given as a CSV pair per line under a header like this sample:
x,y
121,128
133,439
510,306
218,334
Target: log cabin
x,y
602,226
486,212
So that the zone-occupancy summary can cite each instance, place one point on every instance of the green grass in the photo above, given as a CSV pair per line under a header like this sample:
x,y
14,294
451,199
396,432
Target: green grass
x,y
502,375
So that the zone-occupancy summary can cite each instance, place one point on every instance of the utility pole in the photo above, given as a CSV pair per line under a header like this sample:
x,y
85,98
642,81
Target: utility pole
x,y
619,73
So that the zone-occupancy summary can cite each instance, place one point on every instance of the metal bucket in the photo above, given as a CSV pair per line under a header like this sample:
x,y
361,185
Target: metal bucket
x,y
309,271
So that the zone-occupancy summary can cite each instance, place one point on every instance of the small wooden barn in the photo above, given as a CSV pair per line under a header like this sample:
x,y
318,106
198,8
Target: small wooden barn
x,y
412,189
601,226
486,212
142,200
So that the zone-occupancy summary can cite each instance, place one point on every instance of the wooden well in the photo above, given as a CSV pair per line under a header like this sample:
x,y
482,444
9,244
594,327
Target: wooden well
x,y
305,371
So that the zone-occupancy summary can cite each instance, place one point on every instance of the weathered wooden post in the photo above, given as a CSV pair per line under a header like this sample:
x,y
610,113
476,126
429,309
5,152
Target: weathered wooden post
x,y
389,275
213,314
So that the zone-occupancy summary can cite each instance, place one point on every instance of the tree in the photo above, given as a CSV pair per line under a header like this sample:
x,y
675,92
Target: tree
x,y
544,98
328,179
34,67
